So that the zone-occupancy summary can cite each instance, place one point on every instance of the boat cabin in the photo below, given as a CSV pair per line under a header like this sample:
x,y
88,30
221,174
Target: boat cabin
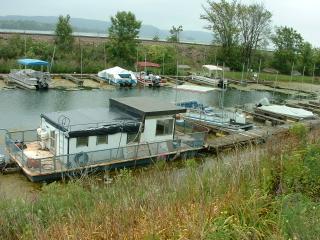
x,y
127,121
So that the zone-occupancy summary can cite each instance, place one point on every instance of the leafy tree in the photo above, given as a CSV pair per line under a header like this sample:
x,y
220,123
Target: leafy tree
x,y
223,21
307,58
156,38
238,28
64,38
123,34
254,22
175,34
288,45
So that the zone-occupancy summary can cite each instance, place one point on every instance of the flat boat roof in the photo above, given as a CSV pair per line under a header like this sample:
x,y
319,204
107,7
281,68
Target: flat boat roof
x,y
88,120
145,106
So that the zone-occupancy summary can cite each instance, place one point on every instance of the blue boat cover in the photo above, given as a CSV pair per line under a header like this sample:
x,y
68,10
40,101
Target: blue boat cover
x,y
32,62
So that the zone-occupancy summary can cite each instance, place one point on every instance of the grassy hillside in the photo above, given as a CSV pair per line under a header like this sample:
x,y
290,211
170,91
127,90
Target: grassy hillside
x,y
259,193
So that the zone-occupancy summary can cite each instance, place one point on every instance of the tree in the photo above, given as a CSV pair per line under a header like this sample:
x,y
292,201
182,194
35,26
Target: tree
x,y
288,45
238,28
254,22
223,21
307,58
175,34
123,34
156,38
63,32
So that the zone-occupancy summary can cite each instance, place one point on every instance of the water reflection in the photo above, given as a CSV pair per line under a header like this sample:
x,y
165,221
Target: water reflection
x,y
20,109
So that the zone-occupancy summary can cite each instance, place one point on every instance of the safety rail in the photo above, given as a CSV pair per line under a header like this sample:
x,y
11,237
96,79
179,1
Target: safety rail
x,y
181,143
26,136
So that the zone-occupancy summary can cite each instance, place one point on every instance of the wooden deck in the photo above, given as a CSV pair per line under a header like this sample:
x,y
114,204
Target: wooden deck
x,y
255,136
42,165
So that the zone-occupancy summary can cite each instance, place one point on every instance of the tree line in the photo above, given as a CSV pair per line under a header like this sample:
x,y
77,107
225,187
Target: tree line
x,y
241,33
242,30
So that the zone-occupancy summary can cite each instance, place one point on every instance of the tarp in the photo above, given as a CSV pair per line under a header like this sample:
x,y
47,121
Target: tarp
x,y
288,111
32,62
147,64
118,75
212,68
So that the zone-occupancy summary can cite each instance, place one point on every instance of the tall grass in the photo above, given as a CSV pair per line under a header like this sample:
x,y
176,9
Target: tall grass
x,y
244,194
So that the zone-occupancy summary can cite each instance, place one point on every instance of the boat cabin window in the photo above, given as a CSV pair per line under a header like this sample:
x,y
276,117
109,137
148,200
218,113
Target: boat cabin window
x,y
52,139
164,127
133,138
82,141
102,139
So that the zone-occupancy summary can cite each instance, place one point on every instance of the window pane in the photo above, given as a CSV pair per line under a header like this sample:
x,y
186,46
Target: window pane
x,y
160,127
102,139
133,138
52,139
82,141
164,127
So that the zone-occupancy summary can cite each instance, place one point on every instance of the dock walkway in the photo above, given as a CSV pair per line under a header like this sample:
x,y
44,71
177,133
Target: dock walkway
x,y
254,136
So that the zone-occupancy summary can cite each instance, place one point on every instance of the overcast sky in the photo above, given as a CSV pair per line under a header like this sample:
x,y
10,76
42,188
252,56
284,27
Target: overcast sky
x,y
302,15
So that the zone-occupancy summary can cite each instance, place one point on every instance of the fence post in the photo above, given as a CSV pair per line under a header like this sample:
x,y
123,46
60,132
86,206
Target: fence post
x,y
54,163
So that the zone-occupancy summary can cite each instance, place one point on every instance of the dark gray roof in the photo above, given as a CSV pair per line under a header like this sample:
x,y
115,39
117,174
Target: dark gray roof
x,y
84,119
145,106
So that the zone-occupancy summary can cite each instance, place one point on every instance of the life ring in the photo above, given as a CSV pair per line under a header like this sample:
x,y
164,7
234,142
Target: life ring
x,y
81,158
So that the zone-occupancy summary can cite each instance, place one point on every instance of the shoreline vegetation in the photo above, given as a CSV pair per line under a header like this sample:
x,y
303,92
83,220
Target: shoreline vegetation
x,y
260,192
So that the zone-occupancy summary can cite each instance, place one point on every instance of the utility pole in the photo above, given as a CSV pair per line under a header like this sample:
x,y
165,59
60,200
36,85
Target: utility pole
x,y
313,72
163,64
291,77
176,96
105,56
81,66
259,71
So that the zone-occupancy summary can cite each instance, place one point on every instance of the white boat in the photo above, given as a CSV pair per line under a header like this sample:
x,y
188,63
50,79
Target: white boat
x,y
288,111
30,78
232,120
118,76
211,76
293,112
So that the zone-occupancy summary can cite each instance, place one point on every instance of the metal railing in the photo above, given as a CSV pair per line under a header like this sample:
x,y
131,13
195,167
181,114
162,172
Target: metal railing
x,y
182,142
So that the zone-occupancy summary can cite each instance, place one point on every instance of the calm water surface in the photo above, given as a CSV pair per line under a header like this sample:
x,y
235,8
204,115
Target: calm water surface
x,y
20,109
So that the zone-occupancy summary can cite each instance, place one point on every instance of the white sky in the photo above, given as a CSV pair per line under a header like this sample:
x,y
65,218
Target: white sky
x,y
302,15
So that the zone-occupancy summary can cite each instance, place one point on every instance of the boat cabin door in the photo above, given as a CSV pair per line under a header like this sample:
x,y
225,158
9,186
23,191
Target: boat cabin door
x,y
53,141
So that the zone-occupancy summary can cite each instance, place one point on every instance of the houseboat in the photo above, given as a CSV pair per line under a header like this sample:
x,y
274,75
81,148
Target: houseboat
x,y
132,131
211,75
119,77
29,78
